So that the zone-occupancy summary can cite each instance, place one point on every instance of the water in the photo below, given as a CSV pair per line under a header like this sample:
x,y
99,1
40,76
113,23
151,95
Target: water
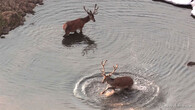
x,y
151,41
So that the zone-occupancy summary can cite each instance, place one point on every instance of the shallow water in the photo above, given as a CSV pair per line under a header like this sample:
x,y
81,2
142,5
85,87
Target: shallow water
x,y
151,41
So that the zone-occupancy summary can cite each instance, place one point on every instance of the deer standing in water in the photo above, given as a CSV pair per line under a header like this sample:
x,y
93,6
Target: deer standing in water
x,y
119,82
74,25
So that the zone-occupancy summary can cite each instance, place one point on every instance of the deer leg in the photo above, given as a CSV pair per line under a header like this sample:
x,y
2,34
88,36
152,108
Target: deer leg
x,y
67,33
127,89
107,89
81,30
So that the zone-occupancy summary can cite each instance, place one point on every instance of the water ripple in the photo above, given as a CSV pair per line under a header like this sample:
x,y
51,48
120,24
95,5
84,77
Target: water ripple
x,y
90,87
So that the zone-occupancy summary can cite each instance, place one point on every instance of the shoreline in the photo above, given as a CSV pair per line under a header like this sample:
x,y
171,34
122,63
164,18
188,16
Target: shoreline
x,y
13,12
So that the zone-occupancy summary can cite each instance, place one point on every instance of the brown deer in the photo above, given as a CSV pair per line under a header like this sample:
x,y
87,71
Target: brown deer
x,y
119,82
72,26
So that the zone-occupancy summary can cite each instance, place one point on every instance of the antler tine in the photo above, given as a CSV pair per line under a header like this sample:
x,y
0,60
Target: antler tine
x,y
114,69
103,69
95,9
85,9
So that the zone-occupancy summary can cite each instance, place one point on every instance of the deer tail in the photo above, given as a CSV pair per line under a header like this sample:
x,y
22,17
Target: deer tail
x,y
64,26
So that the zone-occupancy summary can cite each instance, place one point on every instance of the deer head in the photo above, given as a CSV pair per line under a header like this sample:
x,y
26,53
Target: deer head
x,y
107,77
90,13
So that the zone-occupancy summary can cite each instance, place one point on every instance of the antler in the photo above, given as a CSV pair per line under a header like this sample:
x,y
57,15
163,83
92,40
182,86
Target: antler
x,y
95,10
114,69
103,69
85,9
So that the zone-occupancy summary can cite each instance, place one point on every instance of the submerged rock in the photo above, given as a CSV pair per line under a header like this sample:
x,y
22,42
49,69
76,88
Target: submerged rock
x,y
12,13
2,37
191,64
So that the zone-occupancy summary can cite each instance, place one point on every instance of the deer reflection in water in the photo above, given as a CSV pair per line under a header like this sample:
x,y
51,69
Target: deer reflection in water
x,y
79,38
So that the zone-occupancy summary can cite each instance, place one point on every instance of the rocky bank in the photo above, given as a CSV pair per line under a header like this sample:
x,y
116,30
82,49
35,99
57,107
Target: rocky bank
x,y
12,13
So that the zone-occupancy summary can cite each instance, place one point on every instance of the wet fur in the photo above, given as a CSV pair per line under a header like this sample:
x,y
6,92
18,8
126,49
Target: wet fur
x,y
72,26
122,82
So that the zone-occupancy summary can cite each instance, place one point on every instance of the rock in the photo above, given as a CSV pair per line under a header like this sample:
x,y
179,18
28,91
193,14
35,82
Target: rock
x,y
12,19
193,8
2,37
40,2
191,63
12,13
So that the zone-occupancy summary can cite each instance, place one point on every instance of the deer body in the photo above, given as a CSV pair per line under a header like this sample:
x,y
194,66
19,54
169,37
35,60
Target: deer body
x,y
119,82
77,24
72,26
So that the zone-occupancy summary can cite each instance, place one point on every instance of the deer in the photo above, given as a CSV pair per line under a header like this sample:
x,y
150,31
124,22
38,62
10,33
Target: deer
x,y
77,24
124,82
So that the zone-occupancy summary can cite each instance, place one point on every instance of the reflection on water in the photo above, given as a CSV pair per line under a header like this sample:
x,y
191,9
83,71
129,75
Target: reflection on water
x,y
78,38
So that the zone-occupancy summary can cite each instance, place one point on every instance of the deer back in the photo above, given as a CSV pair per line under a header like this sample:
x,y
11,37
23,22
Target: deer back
x,y
122,82
75,24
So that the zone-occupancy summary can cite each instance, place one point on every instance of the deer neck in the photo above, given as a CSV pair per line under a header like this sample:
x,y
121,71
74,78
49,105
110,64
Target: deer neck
x,y
86,19
110,81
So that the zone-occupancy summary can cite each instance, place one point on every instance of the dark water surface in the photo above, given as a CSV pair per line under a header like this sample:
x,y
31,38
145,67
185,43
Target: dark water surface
x,y
151,41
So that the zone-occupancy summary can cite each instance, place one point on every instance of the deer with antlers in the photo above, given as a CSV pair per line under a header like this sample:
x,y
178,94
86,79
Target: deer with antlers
x,y
119,82
77,24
